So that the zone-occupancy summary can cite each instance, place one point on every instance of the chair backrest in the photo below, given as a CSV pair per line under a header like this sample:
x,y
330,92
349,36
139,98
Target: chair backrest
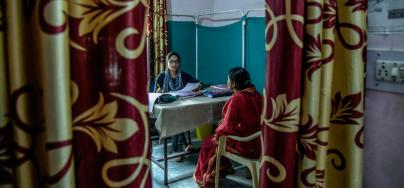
x,y
248,138
252,164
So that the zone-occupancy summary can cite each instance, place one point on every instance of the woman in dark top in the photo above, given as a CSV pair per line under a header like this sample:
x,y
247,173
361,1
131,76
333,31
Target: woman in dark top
x,y
173,79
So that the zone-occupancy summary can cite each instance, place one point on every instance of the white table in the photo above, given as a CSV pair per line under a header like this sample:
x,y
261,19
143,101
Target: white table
x,y
187,114
184,115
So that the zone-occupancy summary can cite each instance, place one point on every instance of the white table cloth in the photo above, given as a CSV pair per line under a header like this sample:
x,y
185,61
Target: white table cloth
x,y
187,114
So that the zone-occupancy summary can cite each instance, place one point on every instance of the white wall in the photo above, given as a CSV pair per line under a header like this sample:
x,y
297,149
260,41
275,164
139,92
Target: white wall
x,y
244,5
189,7
196,7
384,122
386,41
192,7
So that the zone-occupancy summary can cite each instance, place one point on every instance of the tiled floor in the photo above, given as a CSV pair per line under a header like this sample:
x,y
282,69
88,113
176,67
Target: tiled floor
x,y
185,169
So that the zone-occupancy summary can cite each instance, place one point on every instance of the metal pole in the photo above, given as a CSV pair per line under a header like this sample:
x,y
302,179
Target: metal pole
x,y
165,163
243,43
182,15
148,43
220,12
196,48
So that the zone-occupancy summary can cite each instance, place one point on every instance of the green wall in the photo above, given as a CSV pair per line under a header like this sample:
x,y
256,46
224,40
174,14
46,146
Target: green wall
x,y
220,49
181,38
255,51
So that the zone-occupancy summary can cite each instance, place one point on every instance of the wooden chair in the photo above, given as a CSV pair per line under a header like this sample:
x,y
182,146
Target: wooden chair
x,y
251,164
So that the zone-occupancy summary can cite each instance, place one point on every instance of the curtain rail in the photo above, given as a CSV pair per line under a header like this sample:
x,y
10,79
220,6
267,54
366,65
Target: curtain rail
x,y
253,10
182,15
220,12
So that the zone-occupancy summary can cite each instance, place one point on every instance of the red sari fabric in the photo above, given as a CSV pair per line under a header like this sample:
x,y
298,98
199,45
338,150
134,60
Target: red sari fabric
x,y
241,117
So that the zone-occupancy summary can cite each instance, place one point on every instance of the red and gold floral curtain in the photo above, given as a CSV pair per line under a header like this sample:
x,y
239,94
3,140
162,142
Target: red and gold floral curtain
x,y
73,95
313,102
157,35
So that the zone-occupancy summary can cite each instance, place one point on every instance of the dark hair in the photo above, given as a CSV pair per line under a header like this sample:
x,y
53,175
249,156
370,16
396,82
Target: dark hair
x,y
240,77
171,54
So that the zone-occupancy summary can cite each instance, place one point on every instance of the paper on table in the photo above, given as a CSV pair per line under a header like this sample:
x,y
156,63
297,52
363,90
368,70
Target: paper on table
x,y
190,87
187,90
152,99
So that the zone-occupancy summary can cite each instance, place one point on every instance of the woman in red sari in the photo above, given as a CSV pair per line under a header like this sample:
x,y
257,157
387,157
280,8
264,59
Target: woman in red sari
x,y
241,117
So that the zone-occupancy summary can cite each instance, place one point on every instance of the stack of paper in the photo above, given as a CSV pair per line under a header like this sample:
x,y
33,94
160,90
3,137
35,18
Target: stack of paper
x,y
218,91
187,91
220,86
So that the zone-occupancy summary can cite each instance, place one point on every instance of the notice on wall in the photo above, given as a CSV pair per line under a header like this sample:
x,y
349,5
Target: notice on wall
x,y
386,16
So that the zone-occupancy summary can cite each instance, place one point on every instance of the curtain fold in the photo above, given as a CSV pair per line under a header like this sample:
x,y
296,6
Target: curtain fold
x,y
313,109
73,94
6,154
21,94
157,34
51,38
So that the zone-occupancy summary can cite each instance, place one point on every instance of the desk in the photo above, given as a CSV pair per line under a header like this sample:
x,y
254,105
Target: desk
x,y
187,114
184,115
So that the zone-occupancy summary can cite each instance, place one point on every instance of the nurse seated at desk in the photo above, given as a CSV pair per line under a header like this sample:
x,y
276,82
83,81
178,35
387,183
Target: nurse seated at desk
x,y
173,79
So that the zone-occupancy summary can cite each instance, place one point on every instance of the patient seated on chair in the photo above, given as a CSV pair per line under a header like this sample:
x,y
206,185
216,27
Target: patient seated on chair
x,y
241,117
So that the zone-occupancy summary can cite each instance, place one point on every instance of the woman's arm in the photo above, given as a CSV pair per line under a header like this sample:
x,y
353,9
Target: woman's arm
x,y
187,78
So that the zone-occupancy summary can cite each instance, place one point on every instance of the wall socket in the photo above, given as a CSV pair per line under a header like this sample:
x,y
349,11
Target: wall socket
x,y
392,71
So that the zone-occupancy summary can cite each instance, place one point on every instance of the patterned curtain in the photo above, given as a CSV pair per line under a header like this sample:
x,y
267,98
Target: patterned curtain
x,y
157,34
313,101
73,109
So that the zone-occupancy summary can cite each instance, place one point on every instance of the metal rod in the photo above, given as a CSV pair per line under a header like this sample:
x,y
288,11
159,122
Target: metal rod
x,y
243,43
165,163
196,49
148,43
253,10
159,165
182,15
220,12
